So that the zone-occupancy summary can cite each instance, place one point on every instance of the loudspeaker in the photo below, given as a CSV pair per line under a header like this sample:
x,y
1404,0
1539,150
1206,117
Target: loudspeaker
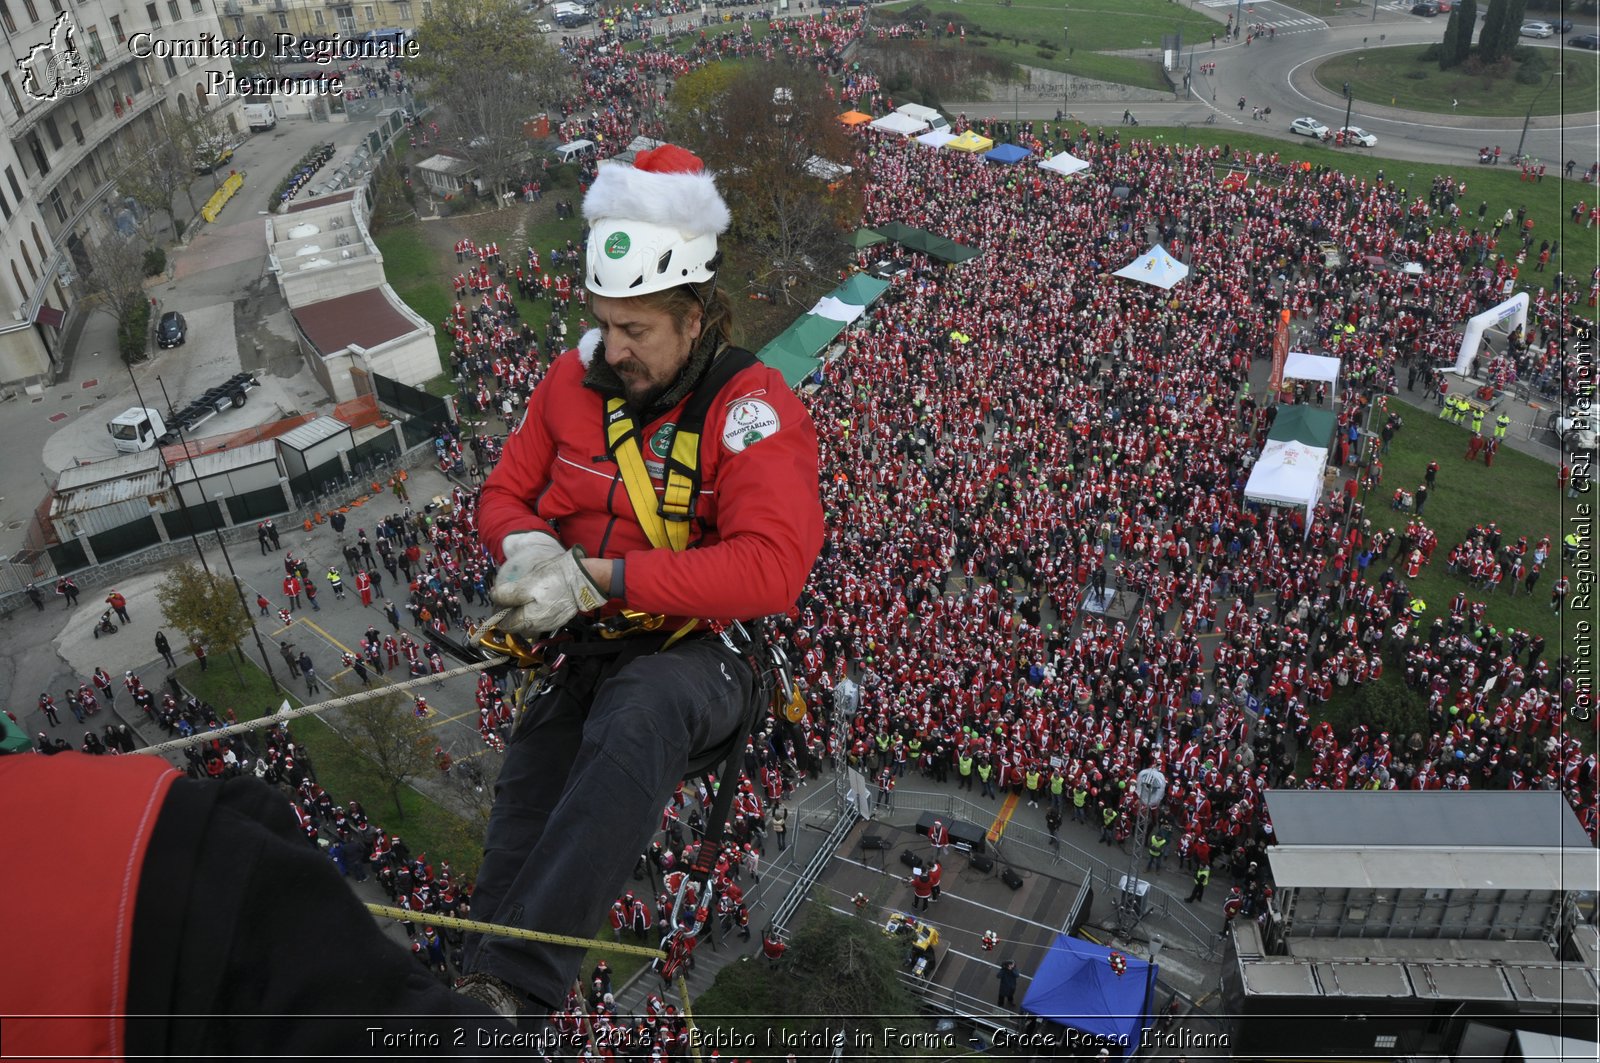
x,y
1011,878
909,858
968,837
979,862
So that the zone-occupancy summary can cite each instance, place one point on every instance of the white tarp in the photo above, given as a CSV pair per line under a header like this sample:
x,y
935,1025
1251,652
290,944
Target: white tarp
x,y
824,170
1066,164
1287,473
895,122
1155,267
1514,309
835,310
936,138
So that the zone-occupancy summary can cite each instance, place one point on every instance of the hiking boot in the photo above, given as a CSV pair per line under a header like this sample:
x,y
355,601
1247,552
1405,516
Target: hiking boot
x,y
492,993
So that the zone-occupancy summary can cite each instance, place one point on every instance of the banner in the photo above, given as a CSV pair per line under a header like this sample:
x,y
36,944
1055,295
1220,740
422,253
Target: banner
x,y
1280,353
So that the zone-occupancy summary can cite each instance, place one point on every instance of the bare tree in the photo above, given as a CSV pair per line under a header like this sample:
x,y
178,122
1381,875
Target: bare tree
x,y
496,71
155,160
399,745
116,278
776,147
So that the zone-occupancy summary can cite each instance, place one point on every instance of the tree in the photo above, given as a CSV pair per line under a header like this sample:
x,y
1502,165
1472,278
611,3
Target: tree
x,y
840,974
770,134
1501,29
1468,10
116,277
387,731
1493,19
487,59
1452,37
158,158
205,607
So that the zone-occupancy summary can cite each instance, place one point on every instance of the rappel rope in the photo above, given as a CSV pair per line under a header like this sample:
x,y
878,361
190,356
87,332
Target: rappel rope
x,y
273,719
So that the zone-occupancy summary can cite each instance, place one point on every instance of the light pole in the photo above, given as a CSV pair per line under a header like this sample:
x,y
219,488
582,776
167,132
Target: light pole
x,y
1150,786
1066,78
1349,101
1529,118
239,590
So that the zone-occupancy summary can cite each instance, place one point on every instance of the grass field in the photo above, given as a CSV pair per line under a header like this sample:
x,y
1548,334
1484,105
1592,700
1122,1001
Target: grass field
x,y
1400,77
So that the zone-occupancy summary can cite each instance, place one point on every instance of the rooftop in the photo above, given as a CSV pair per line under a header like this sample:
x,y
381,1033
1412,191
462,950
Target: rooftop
x,y
1470,819
366,319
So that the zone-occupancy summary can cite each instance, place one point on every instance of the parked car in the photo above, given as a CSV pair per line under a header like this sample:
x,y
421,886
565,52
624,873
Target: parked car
x,y
1354,134
1427,8
212,157
1574,431
1537,29
1562,25
1308,127
172,330
1590,41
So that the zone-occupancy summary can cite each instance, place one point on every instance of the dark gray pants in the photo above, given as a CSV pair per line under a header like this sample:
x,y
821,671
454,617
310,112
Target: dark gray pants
x,y
585,779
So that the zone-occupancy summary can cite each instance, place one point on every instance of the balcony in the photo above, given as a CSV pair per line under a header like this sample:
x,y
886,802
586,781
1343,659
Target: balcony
x,y
64,161
232,7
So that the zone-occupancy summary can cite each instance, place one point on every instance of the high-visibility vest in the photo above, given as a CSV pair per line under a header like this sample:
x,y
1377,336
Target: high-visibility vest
x,y
964,765
1032,779
1080,797
1057,785
984,771
1158,844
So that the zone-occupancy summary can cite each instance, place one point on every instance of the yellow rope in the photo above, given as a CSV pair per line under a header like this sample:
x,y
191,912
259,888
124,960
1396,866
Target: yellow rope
x,y
478,926
688,1015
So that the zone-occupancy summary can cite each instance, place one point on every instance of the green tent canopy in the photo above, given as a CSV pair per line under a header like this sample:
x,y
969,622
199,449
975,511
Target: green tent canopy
x,y
931,244
865,238
860,290
1310,425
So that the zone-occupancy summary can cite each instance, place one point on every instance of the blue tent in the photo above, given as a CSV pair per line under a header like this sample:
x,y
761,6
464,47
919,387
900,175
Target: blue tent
x,y
1008,153
1077,987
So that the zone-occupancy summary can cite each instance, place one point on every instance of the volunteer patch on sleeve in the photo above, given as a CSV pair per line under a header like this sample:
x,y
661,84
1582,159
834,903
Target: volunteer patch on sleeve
x,y
749,421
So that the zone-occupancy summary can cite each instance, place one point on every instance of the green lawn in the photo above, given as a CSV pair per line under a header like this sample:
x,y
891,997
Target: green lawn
x,y
1400,77
427,825
412,270
1548,201
1083,25
1518,493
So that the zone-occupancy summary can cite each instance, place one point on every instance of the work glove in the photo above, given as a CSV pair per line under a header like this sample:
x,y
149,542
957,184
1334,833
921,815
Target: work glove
x,y
526,551
547,597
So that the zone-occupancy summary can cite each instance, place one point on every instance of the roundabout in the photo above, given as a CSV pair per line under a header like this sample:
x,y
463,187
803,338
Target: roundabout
x,y
1408,76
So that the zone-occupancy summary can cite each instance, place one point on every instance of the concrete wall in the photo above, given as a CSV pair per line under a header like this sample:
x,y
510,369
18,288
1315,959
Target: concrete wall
x,y
342,277
412,359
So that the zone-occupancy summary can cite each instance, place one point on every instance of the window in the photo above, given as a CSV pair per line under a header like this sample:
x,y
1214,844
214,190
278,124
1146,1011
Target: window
x,y
170,67
427,8
92,168
174,10
5,207
55,5
403,11
133,76
11,92
1385,1041
16,186
38,241
97,53
77,132
52,131
116,29
238,24
94,105
27,258
33,12
316,17
197,6
77,201
369,14
153,15
55,201
5,17
36,149
283,22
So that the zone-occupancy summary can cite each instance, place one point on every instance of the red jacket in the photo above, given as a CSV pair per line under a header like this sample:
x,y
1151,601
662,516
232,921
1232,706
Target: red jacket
x,y
758,524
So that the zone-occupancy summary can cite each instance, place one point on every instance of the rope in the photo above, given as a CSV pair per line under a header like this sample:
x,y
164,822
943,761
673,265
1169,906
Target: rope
x,y
406,915
273,719
688,1015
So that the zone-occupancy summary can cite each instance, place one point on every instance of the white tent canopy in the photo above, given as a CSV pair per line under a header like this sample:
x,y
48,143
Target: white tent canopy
x,y
1514,309
1302,366
896,122
1287,473
1065,164
836,310
935,138
1155,267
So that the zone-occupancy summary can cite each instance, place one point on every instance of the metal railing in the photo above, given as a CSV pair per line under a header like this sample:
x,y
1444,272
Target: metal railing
x,y
814,867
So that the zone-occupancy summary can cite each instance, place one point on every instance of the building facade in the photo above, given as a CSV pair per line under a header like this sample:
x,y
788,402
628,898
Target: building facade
x,y
79,83
260,19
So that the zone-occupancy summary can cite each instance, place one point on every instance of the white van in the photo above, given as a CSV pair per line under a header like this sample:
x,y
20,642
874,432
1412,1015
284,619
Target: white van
x,y
934,119
575,151
569,15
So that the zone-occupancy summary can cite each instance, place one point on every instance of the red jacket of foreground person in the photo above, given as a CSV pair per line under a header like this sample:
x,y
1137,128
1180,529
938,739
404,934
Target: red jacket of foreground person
x,y
758,520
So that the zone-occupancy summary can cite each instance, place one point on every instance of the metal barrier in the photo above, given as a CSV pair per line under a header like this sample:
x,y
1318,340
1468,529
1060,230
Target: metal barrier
x,y
814,867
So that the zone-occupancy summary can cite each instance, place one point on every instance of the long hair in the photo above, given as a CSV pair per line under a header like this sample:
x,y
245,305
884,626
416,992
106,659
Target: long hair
x,y
716,327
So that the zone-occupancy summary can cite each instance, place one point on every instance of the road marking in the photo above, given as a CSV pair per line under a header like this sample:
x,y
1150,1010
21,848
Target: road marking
x,y
998,827
313,626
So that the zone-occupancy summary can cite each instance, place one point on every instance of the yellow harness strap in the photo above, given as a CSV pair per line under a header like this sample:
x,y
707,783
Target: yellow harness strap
x,y
665,520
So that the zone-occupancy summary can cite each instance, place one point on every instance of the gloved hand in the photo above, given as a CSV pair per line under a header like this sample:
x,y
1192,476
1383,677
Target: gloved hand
x,y
526,551
547,597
